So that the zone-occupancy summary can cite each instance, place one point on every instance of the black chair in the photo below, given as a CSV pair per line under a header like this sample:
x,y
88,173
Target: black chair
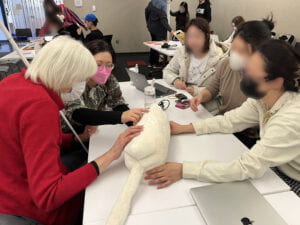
x,y
108,39
23,32
37,32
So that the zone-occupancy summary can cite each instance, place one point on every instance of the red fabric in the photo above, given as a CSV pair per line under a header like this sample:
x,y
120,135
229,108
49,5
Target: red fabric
x,y
34,182
70,19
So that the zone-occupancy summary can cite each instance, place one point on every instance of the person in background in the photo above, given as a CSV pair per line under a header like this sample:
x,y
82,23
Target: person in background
x,y
204,10
91,21
100,100
194,64
182,16
71,21
158,26
272,84
235,23
35,184
56,25
226,82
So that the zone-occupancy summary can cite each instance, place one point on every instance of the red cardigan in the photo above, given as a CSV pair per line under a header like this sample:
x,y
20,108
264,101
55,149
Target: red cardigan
x,y
33,181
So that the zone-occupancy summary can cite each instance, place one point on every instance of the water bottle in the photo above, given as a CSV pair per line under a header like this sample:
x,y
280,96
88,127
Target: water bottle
x,y
150,97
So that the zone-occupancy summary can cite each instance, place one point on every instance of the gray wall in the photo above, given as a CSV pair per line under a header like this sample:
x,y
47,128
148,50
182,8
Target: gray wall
x,y
125,18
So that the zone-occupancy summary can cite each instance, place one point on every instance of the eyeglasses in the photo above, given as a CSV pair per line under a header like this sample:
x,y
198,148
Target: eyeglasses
x,y
111,66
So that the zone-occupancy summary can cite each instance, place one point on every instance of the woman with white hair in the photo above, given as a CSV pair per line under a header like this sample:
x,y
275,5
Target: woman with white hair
x,y
35,185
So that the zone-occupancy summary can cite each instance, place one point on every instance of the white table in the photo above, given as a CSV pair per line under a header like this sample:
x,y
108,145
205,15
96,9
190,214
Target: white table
x,y
168,52
102,194
286,204
29,54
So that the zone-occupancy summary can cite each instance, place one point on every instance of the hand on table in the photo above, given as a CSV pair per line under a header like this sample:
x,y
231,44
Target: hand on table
x,y
164,175
181,129
195,102
133,115
179,84
88,132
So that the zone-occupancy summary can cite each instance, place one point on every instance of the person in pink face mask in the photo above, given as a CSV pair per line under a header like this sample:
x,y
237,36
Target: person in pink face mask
x,y
101,102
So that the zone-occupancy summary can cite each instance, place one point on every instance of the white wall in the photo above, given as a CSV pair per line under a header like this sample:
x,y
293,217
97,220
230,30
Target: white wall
x,y
286,14
126,21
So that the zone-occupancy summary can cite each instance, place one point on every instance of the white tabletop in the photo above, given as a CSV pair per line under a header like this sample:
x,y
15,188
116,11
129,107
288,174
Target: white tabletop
x,y
102,194
286,204
29,54
168,52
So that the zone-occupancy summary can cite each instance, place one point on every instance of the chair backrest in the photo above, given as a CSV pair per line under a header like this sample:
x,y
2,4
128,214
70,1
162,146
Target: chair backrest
x,y
108,38
24,32
37,32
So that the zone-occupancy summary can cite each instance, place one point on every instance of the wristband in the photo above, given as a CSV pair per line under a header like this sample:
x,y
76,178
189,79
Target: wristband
x,y
95,165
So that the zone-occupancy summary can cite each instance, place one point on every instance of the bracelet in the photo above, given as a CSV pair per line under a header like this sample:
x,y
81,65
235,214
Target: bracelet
x,y
95,165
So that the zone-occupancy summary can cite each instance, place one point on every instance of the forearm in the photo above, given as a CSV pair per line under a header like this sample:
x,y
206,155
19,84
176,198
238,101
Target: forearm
x,y
206,96
187,129
95,118
105,160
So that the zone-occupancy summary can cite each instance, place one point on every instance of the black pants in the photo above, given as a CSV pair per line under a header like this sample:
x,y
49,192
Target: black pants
x,y
154,55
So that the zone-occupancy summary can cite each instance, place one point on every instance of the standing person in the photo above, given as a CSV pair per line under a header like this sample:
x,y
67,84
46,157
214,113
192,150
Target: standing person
x,y
235,23
71,21
35,183
95,34
182,16
204,10
158,25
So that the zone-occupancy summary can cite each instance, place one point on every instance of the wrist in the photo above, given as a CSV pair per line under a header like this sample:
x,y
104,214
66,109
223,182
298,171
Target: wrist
x,y
104,161
187,129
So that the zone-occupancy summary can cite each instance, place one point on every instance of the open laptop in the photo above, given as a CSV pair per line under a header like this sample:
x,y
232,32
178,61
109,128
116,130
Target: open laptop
x,y
140,82
235,203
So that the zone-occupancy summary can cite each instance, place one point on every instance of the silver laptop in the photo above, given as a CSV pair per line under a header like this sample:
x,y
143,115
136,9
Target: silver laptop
x,y
235,203
140,82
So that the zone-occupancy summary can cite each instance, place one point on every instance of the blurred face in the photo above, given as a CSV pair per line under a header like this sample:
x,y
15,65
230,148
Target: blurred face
x,y
239,54
89,24
181,9
201,1
195,39
254,84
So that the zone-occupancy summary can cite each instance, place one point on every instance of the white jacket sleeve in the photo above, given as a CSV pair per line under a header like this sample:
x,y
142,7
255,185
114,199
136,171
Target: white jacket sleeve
x,y
171,72
233,121
277,147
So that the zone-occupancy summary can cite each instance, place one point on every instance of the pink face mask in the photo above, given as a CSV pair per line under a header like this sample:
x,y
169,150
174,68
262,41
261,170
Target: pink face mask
x,y
102,75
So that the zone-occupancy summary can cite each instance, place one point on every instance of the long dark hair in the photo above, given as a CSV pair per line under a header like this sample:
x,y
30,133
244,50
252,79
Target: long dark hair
x,y
98,46
55,9
186,7
281,60
255,32
203,25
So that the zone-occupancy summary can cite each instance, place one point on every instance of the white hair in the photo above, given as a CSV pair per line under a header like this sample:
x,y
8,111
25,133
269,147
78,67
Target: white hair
x,y
62,63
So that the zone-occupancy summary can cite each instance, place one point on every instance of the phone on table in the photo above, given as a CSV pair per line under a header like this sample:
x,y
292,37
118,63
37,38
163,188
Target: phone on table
x,y
183,104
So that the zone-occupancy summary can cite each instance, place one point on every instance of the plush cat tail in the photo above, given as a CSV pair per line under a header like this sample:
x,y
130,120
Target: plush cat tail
x,y
120,211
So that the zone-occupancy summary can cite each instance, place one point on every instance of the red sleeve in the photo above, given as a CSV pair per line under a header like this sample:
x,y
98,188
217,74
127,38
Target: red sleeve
x,y
44,29
40,136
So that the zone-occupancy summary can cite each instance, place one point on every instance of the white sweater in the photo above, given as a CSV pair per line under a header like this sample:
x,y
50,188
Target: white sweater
x,y
279,145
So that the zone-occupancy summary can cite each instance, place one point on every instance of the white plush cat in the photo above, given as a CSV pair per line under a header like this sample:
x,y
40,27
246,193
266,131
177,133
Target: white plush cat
x,y
148,150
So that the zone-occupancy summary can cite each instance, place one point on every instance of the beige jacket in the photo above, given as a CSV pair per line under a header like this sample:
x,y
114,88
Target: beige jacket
x,y
179,66
279,144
